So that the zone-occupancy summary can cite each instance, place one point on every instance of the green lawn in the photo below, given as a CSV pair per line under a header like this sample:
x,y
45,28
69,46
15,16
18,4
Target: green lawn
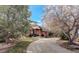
x,y
21,46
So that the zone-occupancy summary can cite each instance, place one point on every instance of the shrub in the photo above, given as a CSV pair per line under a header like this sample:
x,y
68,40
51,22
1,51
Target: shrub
x,y
63,37
2,40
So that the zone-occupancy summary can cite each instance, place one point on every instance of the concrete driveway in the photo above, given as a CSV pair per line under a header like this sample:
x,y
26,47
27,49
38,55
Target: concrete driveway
x,y
46,45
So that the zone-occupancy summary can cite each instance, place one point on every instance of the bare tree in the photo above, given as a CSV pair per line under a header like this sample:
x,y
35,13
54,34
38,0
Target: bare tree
x,y
67,18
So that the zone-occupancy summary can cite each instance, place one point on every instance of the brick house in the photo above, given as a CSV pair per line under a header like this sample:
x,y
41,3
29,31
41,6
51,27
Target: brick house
x,y
36,30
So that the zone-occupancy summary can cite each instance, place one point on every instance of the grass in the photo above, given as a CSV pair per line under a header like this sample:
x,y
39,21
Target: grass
x,y
24,38
21,46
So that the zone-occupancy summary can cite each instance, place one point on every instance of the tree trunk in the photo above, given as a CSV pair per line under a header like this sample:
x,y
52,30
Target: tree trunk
x,y
71,40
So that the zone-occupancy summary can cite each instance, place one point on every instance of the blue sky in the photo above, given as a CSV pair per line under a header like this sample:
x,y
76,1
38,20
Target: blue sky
x,y
36,11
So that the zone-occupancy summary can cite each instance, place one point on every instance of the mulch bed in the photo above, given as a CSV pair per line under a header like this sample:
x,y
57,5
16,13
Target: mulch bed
x,y
67,46
4,47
